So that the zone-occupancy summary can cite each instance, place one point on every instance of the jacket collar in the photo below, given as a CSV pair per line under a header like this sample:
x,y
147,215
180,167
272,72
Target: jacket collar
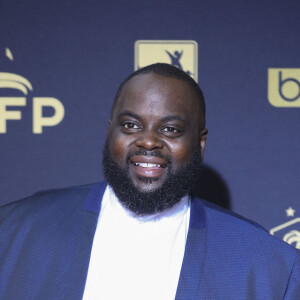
x,y
194,255
93,200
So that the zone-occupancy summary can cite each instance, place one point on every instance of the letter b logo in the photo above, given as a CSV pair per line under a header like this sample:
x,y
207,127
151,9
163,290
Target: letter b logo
x,y
284,87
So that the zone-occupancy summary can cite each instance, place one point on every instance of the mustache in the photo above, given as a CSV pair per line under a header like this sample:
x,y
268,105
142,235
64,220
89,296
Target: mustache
x,y
143,152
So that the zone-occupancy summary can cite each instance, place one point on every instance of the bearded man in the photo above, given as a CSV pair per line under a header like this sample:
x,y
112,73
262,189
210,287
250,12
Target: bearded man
x,y
142,234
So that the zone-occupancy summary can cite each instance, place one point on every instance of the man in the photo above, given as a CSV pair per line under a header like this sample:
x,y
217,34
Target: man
x,y
143,235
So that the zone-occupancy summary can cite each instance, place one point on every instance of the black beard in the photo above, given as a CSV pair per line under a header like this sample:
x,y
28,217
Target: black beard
x,y
141,203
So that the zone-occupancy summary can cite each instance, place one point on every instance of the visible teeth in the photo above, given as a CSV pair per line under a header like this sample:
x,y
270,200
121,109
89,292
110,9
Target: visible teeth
x,y
146,165
152,165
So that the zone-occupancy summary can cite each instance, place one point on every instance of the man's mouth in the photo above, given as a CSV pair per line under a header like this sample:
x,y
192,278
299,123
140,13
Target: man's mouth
x,y
148,166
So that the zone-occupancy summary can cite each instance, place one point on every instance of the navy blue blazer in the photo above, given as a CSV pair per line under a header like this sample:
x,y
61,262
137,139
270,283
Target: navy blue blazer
x,y
46,240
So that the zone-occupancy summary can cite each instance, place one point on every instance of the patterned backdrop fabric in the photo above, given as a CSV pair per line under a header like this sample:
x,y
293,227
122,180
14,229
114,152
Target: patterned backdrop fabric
x,y
62,61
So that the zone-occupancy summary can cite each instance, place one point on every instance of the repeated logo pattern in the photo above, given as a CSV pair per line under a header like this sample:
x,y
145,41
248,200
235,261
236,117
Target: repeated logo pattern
x,y
10,106
182,54
284,87
289,231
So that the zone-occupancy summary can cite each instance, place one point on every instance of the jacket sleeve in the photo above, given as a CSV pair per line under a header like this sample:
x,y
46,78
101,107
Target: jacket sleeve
x,y
293,287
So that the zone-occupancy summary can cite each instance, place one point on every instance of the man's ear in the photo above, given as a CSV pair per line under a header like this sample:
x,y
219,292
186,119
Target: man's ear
x,y
203,135
109,127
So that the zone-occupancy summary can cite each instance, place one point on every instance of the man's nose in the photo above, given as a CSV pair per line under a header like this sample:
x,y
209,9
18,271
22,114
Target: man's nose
x,y
149,141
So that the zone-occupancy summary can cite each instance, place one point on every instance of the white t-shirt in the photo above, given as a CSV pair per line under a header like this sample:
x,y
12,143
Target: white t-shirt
x,y
136,257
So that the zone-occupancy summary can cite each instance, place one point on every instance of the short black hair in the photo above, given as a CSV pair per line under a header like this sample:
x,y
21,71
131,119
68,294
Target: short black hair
x,y
166,70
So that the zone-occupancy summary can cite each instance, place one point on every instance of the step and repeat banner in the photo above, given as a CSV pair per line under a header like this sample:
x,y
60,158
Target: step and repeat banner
x,y
61,63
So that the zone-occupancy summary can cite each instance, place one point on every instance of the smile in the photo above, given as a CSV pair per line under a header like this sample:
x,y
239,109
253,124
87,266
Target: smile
x,y
148,165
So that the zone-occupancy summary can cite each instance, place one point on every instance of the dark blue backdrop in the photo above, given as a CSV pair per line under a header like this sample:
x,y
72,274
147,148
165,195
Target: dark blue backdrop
x,y
79,51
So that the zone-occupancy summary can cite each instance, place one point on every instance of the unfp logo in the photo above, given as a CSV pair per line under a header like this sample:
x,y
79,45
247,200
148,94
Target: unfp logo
x,y
284,87
9,105
182,54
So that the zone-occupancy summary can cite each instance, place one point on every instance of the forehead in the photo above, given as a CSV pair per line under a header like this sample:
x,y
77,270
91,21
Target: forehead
x,y
154,94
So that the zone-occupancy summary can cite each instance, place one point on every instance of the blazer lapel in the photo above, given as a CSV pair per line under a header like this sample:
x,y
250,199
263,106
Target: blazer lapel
x,y
77,273
194,256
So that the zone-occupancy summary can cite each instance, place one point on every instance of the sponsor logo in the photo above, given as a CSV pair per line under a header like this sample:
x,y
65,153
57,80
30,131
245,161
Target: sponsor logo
x,y
284,87
182,54
9,105
289,231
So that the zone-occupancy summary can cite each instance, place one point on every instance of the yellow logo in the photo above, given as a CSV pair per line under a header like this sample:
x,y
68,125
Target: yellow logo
x,y
182,54
289,231
17,82
293,238
284,87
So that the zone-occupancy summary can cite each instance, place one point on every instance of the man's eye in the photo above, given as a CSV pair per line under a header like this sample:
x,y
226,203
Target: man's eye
x,y
129,125
170,129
